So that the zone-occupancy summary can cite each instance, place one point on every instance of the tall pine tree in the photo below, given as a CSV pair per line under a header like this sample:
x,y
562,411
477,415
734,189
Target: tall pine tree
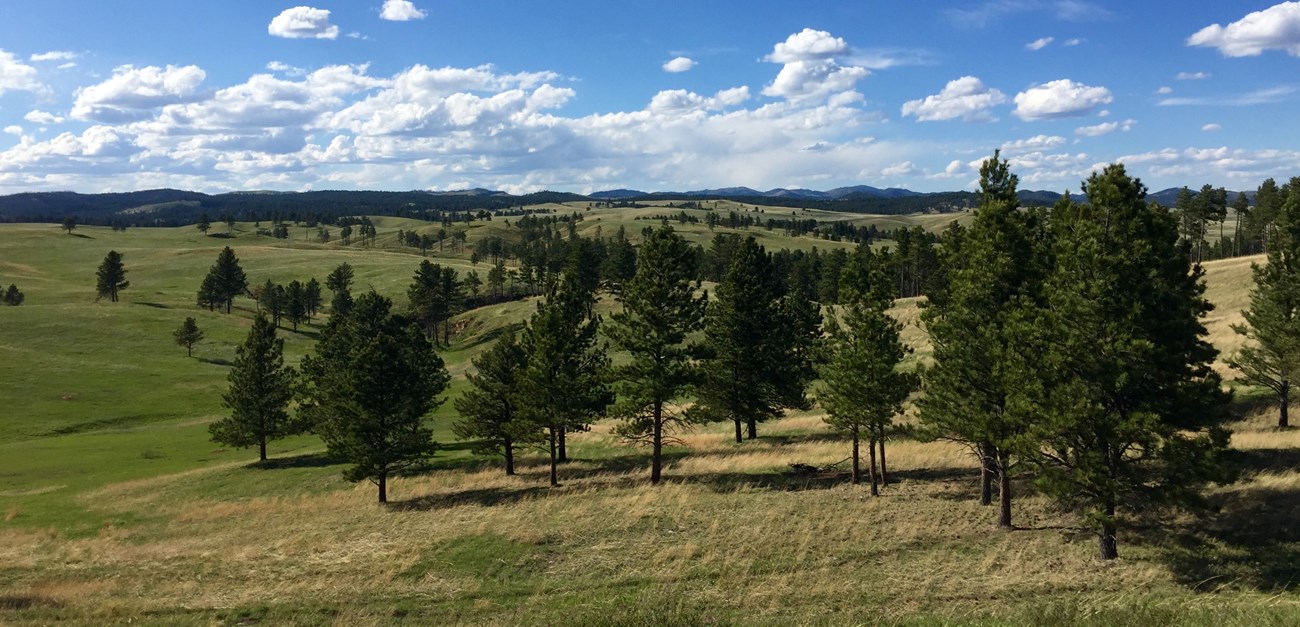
x,y
1131,409
368,388
489,409
660,311
111,276
1271,357
261,387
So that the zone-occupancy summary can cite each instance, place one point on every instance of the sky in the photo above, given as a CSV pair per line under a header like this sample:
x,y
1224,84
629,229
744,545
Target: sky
x,y
589,95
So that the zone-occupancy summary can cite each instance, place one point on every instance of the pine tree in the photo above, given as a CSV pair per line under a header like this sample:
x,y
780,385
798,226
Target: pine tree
x,y
489,409
563,386
660,311
1000,269
225,280
111,276
261,387
295,305
272,299
1271,358
748,352
69,224
311,297
1131,409
204,224
13,296
188,335
862,388
428,304
339,282
368,388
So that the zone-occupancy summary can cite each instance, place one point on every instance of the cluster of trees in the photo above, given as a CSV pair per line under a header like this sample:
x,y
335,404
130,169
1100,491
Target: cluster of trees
x,y
1271,357
225,280
296,302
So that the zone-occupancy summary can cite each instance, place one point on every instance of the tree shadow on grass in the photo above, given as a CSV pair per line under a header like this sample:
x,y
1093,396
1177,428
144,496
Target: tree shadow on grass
x,y
81,235
1249,536
154,305
307,460
216,361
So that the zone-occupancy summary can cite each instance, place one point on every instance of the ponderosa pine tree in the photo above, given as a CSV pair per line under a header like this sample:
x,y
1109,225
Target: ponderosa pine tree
x,y
563,387
1001,267
489,409
111,276
311,297
188,335
13,296
1271,357
69,224
1131,408
862,387
660,311
743,376
203,224
295,304
369,386
261,387
225,280
339,282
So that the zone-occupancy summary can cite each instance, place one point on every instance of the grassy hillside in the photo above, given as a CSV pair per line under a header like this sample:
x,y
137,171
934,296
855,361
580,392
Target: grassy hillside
x,y
114,506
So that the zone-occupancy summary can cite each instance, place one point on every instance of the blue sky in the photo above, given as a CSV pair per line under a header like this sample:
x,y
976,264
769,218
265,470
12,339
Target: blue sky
x,y
589,95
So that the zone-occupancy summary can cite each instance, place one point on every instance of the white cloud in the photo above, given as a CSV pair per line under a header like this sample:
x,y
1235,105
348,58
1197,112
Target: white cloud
x,y
966,98
990,11
131,93
54,55
17,76
1035,143
401,11
66,66
1070,43
1192,76
42,117
1040,43
1062,98
1164,90
897,170
303,23
14,129
810,68
1216,164
1105,128
679,64
285,68
1260,96
1212,128
1274,28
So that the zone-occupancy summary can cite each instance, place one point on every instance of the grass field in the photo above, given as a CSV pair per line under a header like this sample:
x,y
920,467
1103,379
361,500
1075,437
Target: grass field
x,y
115,507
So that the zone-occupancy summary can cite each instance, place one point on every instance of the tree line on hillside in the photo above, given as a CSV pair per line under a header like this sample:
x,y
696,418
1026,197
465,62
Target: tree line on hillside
x,y
1069,350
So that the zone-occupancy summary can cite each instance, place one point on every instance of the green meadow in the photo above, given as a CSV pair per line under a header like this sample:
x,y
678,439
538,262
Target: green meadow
x,y
115,506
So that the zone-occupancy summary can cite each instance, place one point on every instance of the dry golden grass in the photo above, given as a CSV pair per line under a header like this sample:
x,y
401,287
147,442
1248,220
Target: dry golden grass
x,y
731,532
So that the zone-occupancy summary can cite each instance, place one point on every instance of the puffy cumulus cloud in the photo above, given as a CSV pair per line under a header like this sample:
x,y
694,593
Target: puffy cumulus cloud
x,y
1105,128
42,117
1212,128
679,64
17,76
1039,44
966,98
14,129
303,23
342,127
132,93
1041,167
1062,98
810,66
1035,143
401,11
1274,28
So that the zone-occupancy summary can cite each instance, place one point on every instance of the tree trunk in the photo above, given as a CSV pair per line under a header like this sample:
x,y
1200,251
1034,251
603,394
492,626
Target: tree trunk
x,y
656,459
261,449
857,469
1107,540
1284,407
1004,491
884,472
564,449
383,486
189,350
555,479
987,472
739,437
875,486
510,456
753,428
